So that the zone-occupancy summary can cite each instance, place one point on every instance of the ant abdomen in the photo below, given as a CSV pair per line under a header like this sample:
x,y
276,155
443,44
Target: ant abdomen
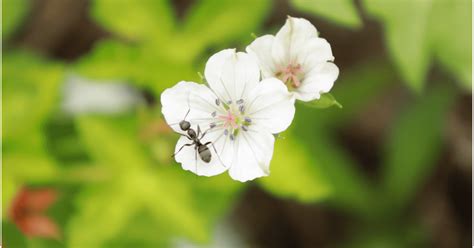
x,y
204,153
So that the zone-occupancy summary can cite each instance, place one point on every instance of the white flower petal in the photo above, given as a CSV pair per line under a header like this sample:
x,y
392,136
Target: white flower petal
x,y
315,51
271,105
231,75
219,162
184,96
252,154
317,81
291,38
261,48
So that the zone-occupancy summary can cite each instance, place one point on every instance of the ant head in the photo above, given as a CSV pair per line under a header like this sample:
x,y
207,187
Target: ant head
x,y
184,125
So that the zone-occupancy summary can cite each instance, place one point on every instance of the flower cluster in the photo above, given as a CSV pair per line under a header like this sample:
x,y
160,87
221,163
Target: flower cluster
x,y
229,124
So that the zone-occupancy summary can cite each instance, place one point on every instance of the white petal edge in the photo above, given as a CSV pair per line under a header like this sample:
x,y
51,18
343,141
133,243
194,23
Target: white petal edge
x,y
315,51
261,49
271,105
176,102
291,38
320,80
253,152
231,75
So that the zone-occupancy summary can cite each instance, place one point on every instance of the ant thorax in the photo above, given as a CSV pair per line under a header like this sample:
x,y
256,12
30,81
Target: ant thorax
x,y
231,117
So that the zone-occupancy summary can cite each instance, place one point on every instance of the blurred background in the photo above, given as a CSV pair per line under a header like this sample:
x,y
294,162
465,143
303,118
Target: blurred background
x,y
87,154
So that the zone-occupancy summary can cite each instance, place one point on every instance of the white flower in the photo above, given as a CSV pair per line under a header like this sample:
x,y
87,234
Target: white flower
x,y
237,112
298,57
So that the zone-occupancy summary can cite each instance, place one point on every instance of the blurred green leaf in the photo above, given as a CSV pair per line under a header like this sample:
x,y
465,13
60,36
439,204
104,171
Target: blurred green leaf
x,y
415,30
451,34
112,60
24,167
166,56
325,101
229,20
134,19
414,145
356,88
166,194
349,189
295,173
342,12
11,236
405,26
30,92
13,14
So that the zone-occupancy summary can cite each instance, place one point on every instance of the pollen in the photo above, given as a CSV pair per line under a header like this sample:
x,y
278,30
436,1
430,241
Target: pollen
x,y
233,119
291,75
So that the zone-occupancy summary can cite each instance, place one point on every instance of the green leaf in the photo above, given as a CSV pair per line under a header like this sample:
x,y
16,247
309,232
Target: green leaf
x,y
177,204
135,19
359,86
414,144
111,60
13,14
11,236
342,12
405,26
229,20
417,30
451,34
295,173
350,189
325,101
30,93
166,56
21,167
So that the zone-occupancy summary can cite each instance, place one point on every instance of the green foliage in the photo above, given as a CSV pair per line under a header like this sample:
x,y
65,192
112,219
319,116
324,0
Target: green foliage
x,y
13,14
295,173
159,52
450,32
342,12
414,144
127,194
349,189
136,20
325,101
167,195
30,90
417,30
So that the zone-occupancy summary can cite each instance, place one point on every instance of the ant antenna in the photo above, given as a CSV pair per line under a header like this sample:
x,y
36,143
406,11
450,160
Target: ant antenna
x,y
186,114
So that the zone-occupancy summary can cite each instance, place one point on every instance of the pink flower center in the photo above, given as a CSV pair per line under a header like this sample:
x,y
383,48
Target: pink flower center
x,y
229,120
290,75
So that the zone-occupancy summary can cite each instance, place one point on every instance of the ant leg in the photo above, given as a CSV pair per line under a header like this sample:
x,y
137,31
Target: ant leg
x,y
196,160
198,131
185,136
181,148
215,150
204,133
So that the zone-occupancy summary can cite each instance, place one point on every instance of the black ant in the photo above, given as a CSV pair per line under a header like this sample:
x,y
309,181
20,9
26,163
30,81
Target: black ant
x,y
195,137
